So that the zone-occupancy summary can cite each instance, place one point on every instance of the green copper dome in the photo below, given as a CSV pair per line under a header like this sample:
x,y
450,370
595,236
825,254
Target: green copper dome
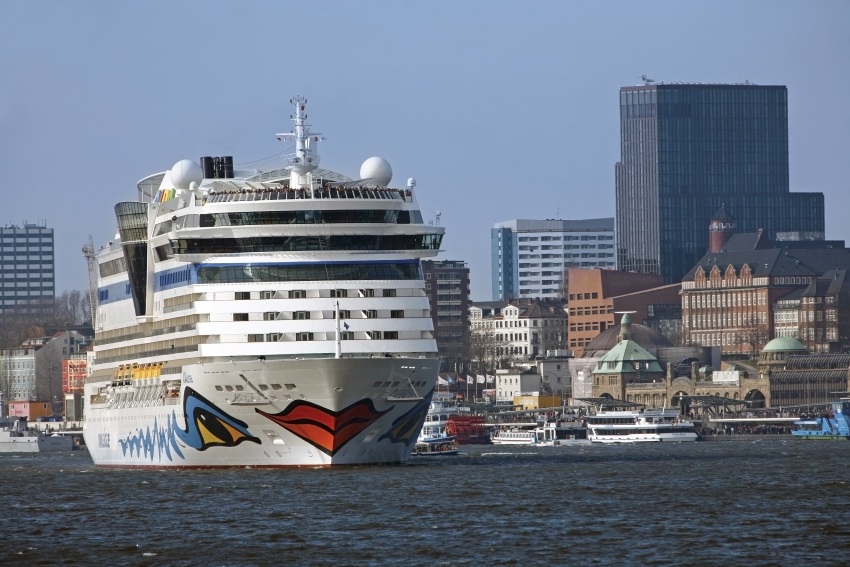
x,y
784,344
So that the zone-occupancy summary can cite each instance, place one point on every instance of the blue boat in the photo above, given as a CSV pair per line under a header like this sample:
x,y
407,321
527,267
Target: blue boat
x,y
833,424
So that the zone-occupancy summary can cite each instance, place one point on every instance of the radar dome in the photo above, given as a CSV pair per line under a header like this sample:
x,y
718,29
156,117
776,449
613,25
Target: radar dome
x,y
186,172
377,168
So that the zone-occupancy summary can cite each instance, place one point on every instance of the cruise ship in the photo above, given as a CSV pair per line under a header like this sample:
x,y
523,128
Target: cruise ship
x,y
263,318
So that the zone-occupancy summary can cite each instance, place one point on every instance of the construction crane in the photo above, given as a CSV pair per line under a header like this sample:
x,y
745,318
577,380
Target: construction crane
x,y
88,252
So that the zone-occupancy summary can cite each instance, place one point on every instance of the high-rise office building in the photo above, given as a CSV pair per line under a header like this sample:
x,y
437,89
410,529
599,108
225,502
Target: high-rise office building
x,y
27,277
529,258
689,149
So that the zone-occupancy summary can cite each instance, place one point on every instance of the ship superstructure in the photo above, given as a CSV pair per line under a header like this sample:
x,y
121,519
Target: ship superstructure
x,y
263,318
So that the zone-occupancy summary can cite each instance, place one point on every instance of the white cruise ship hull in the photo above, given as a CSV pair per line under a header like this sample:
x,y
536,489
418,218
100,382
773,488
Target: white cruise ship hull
x,y
279,413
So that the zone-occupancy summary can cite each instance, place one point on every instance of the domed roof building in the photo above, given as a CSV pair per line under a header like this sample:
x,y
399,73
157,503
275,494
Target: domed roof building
x,y
647,338
784,344
776,352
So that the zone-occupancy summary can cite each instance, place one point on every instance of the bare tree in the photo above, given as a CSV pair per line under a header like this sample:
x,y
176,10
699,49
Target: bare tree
x,y
17,326
72,309
755,337
482,351
48,375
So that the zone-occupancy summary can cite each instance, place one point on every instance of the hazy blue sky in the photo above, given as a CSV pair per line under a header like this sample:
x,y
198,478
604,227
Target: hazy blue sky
x,y
500,110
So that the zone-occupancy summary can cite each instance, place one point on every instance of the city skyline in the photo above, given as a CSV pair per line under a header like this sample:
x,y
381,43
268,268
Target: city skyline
x,y
512,115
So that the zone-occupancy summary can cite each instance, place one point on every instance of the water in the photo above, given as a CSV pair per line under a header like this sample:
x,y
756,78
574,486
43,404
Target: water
x,y
768,502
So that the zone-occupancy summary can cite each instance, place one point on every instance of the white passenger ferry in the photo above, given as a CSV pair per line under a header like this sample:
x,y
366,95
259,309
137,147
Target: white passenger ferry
x,y
639,426
546,434
262,318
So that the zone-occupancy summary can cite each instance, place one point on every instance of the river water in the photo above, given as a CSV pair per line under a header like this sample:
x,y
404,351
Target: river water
x,y
764,502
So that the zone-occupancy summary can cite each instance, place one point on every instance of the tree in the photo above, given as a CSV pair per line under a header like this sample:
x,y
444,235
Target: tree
x,y
72,308
482,351
755,337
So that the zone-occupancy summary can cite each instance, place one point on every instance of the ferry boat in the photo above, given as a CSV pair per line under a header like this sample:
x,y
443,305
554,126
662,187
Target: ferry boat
x,y
560,434
639,426
447,419
445,447
443,405
834,424
16,437
262,318
547,434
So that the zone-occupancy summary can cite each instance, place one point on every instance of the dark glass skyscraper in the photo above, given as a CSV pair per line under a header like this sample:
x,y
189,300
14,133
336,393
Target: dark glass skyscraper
x,y
688,149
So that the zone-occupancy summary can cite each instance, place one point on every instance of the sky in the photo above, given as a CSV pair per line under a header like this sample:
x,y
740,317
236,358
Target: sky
x,y
499,110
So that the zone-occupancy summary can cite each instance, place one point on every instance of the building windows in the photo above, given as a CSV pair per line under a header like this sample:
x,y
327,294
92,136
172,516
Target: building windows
x,y
303,336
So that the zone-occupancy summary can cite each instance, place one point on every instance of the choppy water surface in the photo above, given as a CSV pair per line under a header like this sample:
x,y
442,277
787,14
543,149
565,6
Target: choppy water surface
x,y
769,502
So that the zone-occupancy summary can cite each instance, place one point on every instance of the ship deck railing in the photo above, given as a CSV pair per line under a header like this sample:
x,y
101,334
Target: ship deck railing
x,y
230,192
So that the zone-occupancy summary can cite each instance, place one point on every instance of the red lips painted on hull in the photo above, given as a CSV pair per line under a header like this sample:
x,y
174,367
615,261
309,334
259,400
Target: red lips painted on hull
x,y
327,430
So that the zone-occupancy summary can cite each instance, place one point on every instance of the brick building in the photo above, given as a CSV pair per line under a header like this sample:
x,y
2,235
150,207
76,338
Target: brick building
x,y
595,296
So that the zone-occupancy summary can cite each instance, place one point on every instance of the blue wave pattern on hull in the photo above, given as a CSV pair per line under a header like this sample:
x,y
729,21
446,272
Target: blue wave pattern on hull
x,y
206,426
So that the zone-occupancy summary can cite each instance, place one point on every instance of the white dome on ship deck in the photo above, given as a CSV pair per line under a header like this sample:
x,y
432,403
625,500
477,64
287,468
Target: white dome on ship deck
x,y
377,168
185,172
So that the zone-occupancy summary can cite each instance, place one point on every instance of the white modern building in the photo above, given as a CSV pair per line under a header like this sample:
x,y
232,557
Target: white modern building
x,y
529,258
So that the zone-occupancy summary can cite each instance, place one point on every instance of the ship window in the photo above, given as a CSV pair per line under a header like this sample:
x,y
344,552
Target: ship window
x,y
269,316
240,316
229,388
243,295
297,293
301,315
373,334
371,314
344,314
219,388
303,336
264,387
346,336
256,338
367,293
240,388
290,386
339,293
376,385
392,335
397,314
266,294
276,386
273,337
309,272
389,293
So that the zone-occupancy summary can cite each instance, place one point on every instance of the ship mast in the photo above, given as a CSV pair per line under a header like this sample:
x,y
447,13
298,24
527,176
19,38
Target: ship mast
x,y
305,160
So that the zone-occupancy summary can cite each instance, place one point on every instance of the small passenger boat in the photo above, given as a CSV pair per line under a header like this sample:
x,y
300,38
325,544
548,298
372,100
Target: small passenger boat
x,y
442,447
831,425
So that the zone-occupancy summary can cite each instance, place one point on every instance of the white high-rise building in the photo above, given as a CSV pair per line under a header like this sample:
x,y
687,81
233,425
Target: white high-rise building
x,y
529,258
